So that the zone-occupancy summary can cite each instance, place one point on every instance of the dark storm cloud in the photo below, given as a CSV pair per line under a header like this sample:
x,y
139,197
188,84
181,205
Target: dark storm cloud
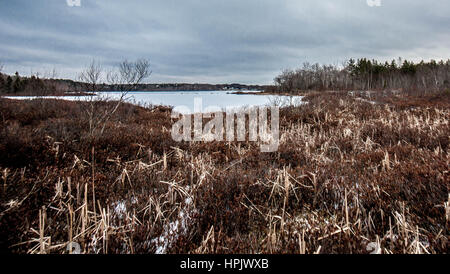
x,y
247,41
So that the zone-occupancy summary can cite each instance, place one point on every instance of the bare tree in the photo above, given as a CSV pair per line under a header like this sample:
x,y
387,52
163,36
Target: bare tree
x,y
53,74
125,78
91,75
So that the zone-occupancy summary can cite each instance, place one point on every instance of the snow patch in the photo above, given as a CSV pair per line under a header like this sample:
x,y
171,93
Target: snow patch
x,y
174,229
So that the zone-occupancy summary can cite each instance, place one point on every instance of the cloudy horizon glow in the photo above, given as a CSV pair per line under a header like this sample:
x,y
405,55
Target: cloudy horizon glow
x,y
198,41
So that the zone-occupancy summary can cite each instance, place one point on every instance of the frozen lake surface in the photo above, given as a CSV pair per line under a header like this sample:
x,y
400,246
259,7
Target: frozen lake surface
x,y
220,99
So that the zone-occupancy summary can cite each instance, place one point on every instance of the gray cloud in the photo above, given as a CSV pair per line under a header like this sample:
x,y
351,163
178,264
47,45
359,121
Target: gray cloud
x,y
217,41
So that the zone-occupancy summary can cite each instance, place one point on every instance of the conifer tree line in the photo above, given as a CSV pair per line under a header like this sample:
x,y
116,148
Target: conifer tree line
x,y
17,84
34,85
365,74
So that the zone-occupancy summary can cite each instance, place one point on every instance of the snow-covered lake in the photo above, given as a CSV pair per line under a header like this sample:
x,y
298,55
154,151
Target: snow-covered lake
x,y
220,99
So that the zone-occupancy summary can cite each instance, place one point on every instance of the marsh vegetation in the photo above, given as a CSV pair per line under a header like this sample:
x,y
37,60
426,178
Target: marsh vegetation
x,y
353,174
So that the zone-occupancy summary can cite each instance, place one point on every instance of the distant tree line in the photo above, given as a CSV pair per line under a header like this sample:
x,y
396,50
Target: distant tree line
x,y
13,84
364,74
126,76
34,85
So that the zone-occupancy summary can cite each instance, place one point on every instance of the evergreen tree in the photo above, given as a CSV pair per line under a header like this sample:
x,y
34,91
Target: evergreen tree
x,y
18,85
9,84
2,83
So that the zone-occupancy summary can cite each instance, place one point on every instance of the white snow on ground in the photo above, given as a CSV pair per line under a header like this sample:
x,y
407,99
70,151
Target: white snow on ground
x,y
174,229
120,209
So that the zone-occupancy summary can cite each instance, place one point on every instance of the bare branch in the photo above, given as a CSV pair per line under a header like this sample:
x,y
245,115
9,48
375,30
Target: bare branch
x,y
127,72
54,74
129,75
142,68
91,75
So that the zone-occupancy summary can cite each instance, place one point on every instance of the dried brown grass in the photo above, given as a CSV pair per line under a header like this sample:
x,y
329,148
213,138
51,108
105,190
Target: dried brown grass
x,y
349,177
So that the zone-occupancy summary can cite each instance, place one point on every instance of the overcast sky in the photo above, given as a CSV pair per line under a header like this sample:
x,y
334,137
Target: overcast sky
x,y
217,41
